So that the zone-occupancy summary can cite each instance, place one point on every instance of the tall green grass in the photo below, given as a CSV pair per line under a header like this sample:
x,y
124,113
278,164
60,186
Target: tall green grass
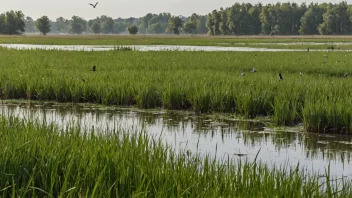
x,y
200,81
39,160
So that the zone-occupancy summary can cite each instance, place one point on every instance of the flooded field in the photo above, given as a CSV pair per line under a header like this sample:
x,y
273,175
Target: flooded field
x,y
219,138
143,48
254,47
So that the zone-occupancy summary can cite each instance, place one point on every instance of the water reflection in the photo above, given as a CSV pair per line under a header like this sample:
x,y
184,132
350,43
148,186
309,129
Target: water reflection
x,y
142,48
218,138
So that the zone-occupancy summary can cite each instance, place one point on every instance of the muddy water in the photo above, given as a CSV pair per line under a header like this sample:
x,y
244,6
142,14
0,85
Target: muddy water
x,y
218,138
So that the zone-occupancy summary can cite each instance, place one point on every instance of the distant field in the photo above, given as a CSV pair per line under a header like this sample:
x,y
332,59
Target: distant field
x,y
199,81
196,40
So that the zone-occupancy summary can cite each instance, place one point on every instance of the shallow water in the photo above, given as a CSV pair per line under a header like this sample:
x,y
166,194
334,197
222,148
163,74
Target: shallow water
x,y
142,48
201,134
172,47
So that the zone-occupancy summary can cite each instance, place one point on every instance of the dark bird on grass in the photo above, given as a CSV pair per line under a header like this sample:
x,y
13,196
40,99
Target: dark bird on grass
x,y
280,77
94,5
254,70
94,69
83,80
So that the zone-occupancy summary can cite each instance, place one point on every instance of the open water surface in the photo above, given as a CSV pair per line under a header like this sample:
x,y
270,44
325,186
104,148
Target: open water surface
x,y
199,133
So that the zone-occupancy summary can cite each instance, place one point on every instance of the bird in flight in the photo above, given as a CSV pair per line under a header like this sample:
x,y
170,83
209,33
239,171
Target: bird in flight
x,y
94,5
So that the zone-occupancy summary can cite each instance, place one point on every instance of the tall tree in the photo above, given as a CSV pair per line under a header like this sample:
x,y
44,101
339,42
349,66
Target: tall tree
x,y
96,27
29,25
329,24
311,20
62,25
78,25
14,22
175,25
156,28
43,24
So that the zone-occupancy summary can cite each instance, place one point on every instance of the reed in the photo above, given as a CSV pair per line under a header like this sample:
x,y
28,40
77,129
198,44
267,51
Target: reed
x,y
40,160
200,81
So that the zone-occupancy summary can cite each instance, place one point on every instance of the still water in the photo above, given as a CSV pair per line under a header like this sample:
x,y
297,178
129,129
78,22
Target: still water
x,y
142,48
197,133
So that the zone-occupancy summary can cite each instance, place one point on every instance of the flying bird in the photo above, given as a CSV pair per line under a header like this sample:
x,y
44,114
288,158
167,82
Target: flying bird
x,y
280,76
94,5
94,69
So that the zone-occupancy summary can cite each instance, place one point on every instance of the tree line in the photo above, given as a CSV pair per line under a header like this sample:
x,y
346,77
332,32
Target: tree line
x,y
239,19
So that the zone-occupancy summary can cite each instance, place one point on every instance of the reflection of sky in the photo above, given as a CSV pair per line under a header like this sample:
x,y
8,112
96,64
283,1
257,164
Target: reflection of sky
x,y
195,133
169,47
140,48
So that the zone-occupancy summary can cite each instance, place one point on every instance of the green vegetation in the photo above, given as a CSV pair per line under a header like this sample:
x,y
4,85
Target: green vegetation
x,y
43,25
133,29
199,81
39,160
12,22
239,19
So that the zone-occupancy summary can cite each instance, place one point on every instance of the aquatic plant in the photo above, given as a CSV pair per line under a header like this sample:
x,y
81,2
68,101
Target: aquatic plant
x,y
40,160
313,91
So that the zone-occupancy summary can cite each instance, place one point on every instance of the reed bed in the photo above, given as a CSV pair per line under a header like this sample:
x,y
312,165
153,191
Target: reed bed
x,y
39,160
200,81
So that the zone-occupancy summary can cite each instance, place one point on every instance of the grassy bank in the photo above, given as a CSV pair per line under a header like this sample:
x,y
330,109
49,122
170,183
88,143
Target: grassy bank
x,y
196,40
199,81
38,160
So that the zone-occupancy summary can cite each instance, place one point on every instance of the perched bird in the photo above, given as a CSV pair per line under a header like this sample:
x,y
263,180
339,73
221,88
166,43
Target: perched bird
x,y
94,5
254,70
94,69
243,74
280,77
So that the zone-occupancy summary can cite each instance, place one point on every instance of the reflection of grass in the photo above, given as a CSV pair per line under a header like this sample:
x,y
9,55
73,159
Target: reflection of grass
x,y
38,160
240,41
199,81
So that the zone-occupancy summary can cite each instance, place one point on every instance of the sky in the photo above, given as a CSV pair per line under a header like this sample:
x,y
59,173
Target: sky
x,y
124,8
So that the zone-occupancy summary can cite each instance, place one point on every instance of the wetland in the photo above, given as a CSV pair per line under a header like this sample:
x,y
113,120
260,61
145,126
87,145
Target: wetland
x,y
183,123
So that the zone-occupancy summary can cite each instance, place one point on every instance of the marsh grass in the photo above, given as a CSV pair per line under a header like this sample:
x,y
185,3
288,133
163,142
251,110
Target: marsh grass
x,y
39,160
200,81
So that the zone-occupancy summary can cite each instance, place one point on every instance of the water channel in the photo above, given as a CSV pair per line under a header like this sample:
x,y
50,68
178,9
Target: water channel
x,y
204,135
144,48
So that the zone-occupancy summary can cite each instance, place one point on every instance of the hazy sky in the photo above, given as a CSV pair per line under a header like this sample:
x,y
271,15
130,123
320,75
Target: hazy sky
x,y
122,8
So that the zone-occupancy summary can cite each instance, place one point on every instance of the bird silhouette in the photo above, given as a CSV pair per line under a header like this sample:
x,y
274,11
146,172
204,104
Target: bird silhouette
x,y
280,76
94,5
94,69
